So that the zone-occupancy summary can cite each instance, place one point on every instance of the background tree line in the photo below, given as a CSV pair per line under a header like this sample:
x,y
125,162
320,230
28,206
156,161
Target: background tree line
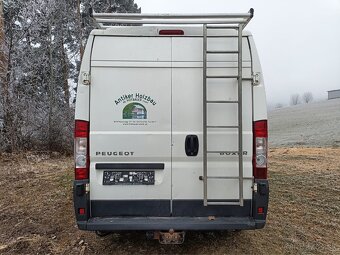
x,y
296,99
307,97
41,45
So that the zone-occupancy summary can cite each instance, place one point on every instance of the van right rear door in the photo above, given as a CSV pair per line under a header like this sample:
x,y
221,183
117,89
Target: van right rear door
x,y
187,120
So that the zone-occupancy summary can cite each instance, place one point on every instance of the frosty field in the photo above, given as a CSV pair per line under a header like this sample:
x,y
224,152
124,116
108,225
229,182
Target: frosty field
x,y
315,124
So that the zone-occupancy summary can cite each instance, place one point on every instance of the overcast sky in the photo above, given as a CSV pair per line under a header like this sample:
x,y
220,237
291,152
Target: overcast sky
x,y
298,40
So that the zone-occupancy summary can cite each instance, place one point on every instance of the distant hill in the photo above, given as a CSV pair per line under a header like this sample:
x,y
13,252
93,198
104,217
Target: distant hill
x,y
314,124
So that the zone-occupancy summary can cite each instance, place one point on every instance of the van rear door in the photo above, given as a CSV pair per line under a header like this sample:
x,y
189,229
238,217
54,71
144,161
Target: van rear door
x,y
187,119
130,126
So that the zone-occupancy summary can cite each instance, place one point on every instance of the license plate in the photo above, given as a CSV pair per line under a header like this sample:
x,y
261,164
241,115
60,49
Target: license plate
x,y
129,178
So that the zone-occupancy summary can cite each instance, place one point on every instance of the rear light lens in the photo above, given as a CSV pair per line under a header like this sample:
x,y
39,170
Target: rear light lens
x,y
260,149
81,211
261,152
81,129
81,150
260,210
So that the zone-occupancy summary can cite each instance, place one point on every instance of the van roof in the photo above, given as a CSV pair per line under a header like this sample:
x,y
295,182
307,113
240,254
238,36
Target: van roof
x,y
154,31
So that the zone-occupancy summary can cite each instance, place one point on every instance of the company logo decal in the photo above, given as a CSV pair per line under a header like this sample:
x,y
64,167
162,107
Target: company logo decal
x,y
137,97
135,111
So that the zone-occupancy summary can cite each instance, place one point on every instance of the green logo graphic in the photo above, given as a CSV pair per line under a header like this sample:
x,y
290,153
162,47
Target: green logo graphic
x,y
134,111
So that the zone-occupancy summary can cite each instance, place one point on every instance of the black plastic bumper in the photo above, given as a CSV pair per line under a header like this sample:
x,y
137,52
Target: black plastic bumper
x,y
187,214
167,223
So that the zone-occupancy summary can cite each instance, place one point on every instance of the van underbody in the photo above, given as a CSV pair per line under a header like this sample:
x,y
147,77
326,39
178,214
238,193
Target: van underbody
x,y
160,128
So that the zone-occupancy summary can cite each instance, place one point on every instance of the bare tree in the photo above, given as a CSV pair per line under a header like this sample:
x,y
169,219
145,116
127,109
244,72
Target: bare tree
x,y
2,43
41,44
307,97
3,57
80,28
5,68
278,106
3,63
294,99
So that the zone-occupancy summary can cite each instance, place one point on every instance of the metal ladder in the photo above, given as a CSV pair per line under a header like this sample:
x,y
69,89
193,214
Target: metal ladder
x,y
206,102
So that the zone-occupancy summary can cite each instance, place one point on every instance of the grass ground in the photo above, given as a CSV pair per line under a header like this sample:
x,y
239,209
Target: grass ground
x,y
36,211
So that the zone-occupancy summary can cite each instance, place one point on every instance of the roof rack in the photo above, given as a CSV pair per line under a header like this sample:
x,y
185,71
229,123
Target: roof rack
x,y
107,20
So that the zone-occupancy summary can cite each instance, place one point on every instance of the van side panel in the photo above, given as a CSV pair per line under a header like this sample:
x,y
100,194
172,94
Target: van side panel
x,y
83,91
259,92
260,198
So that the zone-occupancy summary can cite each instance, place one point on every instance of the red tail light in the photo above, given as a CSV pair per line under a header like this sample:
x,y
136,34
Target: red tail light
x,y
171,32
260,210
81,211
81,149
260,154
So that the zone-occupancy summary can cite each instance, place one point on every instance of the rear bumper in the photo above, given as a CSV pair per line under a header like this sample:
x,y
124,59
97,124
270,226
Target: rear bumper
x,y
187,214
167,223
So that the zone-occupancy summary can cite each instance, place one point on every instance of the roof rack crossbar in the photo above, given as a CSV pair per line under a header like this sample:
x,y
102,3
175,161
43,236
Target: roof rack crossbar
x,y
179,19
170,16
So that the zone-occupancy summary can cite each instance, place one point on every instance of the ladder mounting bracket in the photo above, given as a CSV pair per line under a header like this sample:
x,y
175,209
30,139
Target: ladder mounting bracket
x,y
256,79
85,78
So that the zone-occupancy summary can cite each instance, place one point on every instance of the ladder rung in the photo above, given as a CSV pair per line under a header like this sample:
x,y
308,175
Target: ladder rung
x,y
229,178
222,102
223,77
222,52
223,203
214,152
222,27
222,36
222,126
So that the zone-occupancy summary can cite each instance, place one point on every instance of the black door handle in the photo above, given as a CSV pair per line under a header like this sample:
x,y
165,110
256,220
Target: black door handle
x,y
191,145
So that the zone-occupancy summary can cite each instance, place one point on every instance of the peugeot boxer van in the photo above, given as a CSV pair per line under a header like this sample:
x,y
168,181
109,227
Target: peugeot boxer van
x,y
171,126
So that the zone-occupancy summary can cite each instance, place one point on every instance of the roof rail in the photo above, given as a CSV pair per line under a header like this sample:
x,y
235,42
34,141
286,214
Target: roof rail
x,y
106,20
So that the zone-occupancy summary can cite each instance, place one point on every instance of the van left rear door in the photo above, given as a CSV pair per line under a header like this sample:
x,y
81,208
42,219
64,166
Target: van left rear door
x,y
130,127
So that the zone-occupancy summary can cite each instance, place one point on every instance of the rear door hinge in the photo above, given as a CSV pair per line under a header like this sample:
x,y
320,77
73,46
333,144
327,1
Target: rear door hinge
x,y
86,78
256,78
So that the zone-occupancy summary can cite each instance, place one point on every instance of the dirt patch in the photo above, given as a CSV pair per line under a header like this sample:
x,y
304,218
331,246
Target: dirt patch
x,y
36,213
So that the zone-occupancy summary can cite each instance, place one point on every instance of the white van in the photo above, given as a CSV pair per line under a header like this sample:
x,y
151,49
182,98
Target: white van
x,y
171,126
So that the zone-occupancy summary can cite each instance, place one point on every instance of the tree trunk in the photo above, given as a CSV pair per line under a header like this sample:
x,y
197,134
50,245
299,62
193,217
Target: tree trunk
x,y
5,71
3,59
80,27
50,91
64,62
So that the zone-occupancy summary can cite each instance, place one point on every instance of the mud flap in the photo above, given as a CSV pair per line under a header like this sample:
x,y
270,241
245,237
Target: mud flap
x,y
260,200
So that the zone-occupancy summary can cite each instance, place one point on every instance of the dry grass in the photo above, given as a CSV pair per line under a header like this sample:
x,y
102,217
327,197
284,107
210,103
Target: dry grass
x,y
36,213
